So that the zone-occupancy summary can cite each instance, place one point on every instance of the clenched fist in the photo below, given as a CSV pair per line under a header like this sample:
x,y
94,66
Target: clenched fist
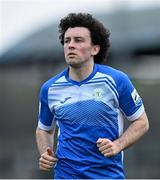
x,y
47,160
107,147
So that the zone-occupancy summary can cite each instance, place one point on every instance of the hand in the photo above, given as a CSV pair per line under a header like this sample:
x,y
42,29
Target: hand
x,y
47,160
107,147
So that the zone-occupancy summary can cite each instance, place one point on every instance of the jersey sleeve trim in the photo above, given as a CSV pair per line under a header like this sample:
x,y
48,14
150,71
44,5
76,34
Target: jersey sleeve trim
x,y
44,127
137,114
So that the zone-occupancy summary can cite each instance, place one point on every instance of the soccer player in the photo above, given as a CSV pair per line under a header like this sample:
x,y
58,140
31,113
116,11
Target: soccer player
x,y
87,101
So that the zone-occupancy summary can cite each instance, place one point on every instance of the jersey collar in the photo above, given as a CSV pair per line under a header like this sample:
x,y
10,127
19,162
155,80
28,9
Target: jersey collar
x,y
83,81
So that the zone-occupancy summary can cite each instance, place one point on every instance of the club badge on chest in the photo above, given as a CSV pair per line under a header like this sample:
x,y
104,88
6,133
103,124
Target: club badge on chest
x,y
98,94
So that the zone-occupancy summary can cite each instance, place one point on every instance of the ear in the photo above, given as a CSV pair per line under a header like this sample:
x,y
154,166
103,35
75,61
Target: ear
x,y
95,49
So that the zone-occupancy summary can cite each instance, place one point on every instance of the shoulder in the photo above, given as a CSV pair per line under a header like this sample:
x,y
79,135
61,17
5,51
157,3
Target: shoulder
x,y
115,74
47,84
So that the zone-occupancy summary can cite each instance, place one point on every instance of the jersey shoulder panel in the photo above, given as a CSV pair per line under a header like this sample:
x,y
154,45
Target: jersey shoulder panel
x,y
121,79
52,80
117,75
46,85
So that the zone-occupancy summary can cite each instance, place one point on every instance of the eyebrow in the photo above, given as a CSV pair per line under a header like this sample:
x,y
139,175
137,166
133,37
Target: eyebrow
x,y
73,37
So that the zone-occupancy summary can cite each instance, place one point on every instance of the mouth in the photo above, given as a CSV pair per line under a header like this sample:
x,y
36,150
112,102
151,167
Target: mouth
x,y
71,54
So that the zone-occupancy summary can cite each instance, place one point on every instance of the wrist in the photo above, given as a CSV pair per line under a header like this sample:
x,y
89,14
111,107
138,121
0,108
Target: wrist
x,y
119,145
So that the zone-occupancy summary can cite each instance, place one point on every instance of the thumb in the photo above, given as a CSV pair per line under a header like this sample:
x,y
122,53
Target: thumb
x,y
50,151
99,140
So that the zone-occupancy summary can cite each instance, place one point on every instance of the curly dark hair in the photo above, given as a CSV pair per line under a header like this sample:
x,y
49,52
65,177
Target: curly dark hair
x,y
99,34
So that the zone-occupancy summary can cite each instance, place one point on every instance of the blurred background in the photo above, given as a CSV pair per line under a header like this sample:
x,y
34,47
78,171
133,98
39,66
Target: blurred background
x,y
30,53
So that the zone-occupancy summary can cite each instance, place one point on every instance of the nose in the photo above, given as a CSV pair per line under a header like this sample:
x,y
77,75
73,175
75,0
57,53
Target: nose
x,y
71,44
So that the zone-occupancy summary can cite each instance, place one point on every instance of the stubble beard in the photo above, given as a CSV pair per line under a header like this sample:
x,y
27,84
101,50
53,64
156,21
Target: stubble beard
x,y
75,63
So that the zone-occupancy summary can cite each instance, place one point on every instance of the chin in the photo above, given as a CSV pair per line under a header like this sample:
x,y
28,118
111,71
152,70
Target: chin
x,y
74,64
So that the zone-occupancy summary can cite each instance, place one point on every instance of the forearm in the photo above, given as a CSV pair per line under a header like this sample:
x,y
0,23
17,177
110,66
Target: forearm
x,y
134,132
44,140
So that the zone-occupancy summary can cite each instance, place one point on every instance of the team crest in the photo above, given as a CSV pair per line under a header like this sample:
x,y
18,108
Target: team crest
x,y
98,94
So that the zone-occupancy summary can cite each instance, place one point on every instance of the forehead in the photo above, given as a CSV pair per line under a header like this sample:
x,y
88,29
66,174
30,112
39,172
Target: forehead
x,y
77,32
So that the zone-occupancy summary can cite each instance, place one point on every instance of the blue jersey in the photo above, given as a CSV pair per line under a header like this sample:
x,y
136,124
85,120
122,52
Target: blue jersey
x,y
85,111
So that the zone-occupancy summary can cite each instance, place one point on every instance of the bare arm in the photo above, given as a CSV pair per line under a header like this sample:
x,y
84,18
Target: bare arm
x,y
132,134
44,139
45,146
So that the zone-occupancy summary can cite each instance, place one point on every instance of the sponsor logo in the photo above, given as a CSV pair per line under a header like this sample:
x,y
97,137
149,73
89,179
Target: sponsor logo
x,y
66,99
135,96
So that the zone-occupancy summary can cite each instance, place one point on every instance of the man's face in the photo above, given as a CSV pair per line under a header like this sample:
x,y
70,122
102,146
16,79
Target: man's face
x,y
78,47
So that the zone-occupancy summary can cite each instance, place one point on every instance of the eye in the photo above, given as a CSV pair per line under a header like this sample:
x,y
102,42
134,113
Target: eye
x,y
78,40
66,41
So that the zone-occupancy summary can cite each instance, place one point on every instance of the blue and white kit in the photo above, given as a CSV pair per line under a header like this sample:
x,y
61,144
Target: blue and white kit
x,y
85,111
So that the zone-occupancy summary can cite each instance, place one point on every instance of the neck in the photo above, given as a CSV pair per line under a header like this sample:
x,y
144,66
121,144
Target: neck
x,y
82,72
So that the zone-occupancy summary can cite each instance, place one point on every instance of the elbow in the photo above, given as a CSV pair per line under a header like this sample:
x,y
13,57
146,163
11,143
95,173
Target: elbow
x,y
144,123
37,131
146,126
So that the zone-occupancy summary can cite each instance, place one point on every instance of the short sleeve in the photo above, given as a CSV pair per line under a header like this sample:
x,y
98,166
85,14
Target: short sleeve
x,y
129,100
46,117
